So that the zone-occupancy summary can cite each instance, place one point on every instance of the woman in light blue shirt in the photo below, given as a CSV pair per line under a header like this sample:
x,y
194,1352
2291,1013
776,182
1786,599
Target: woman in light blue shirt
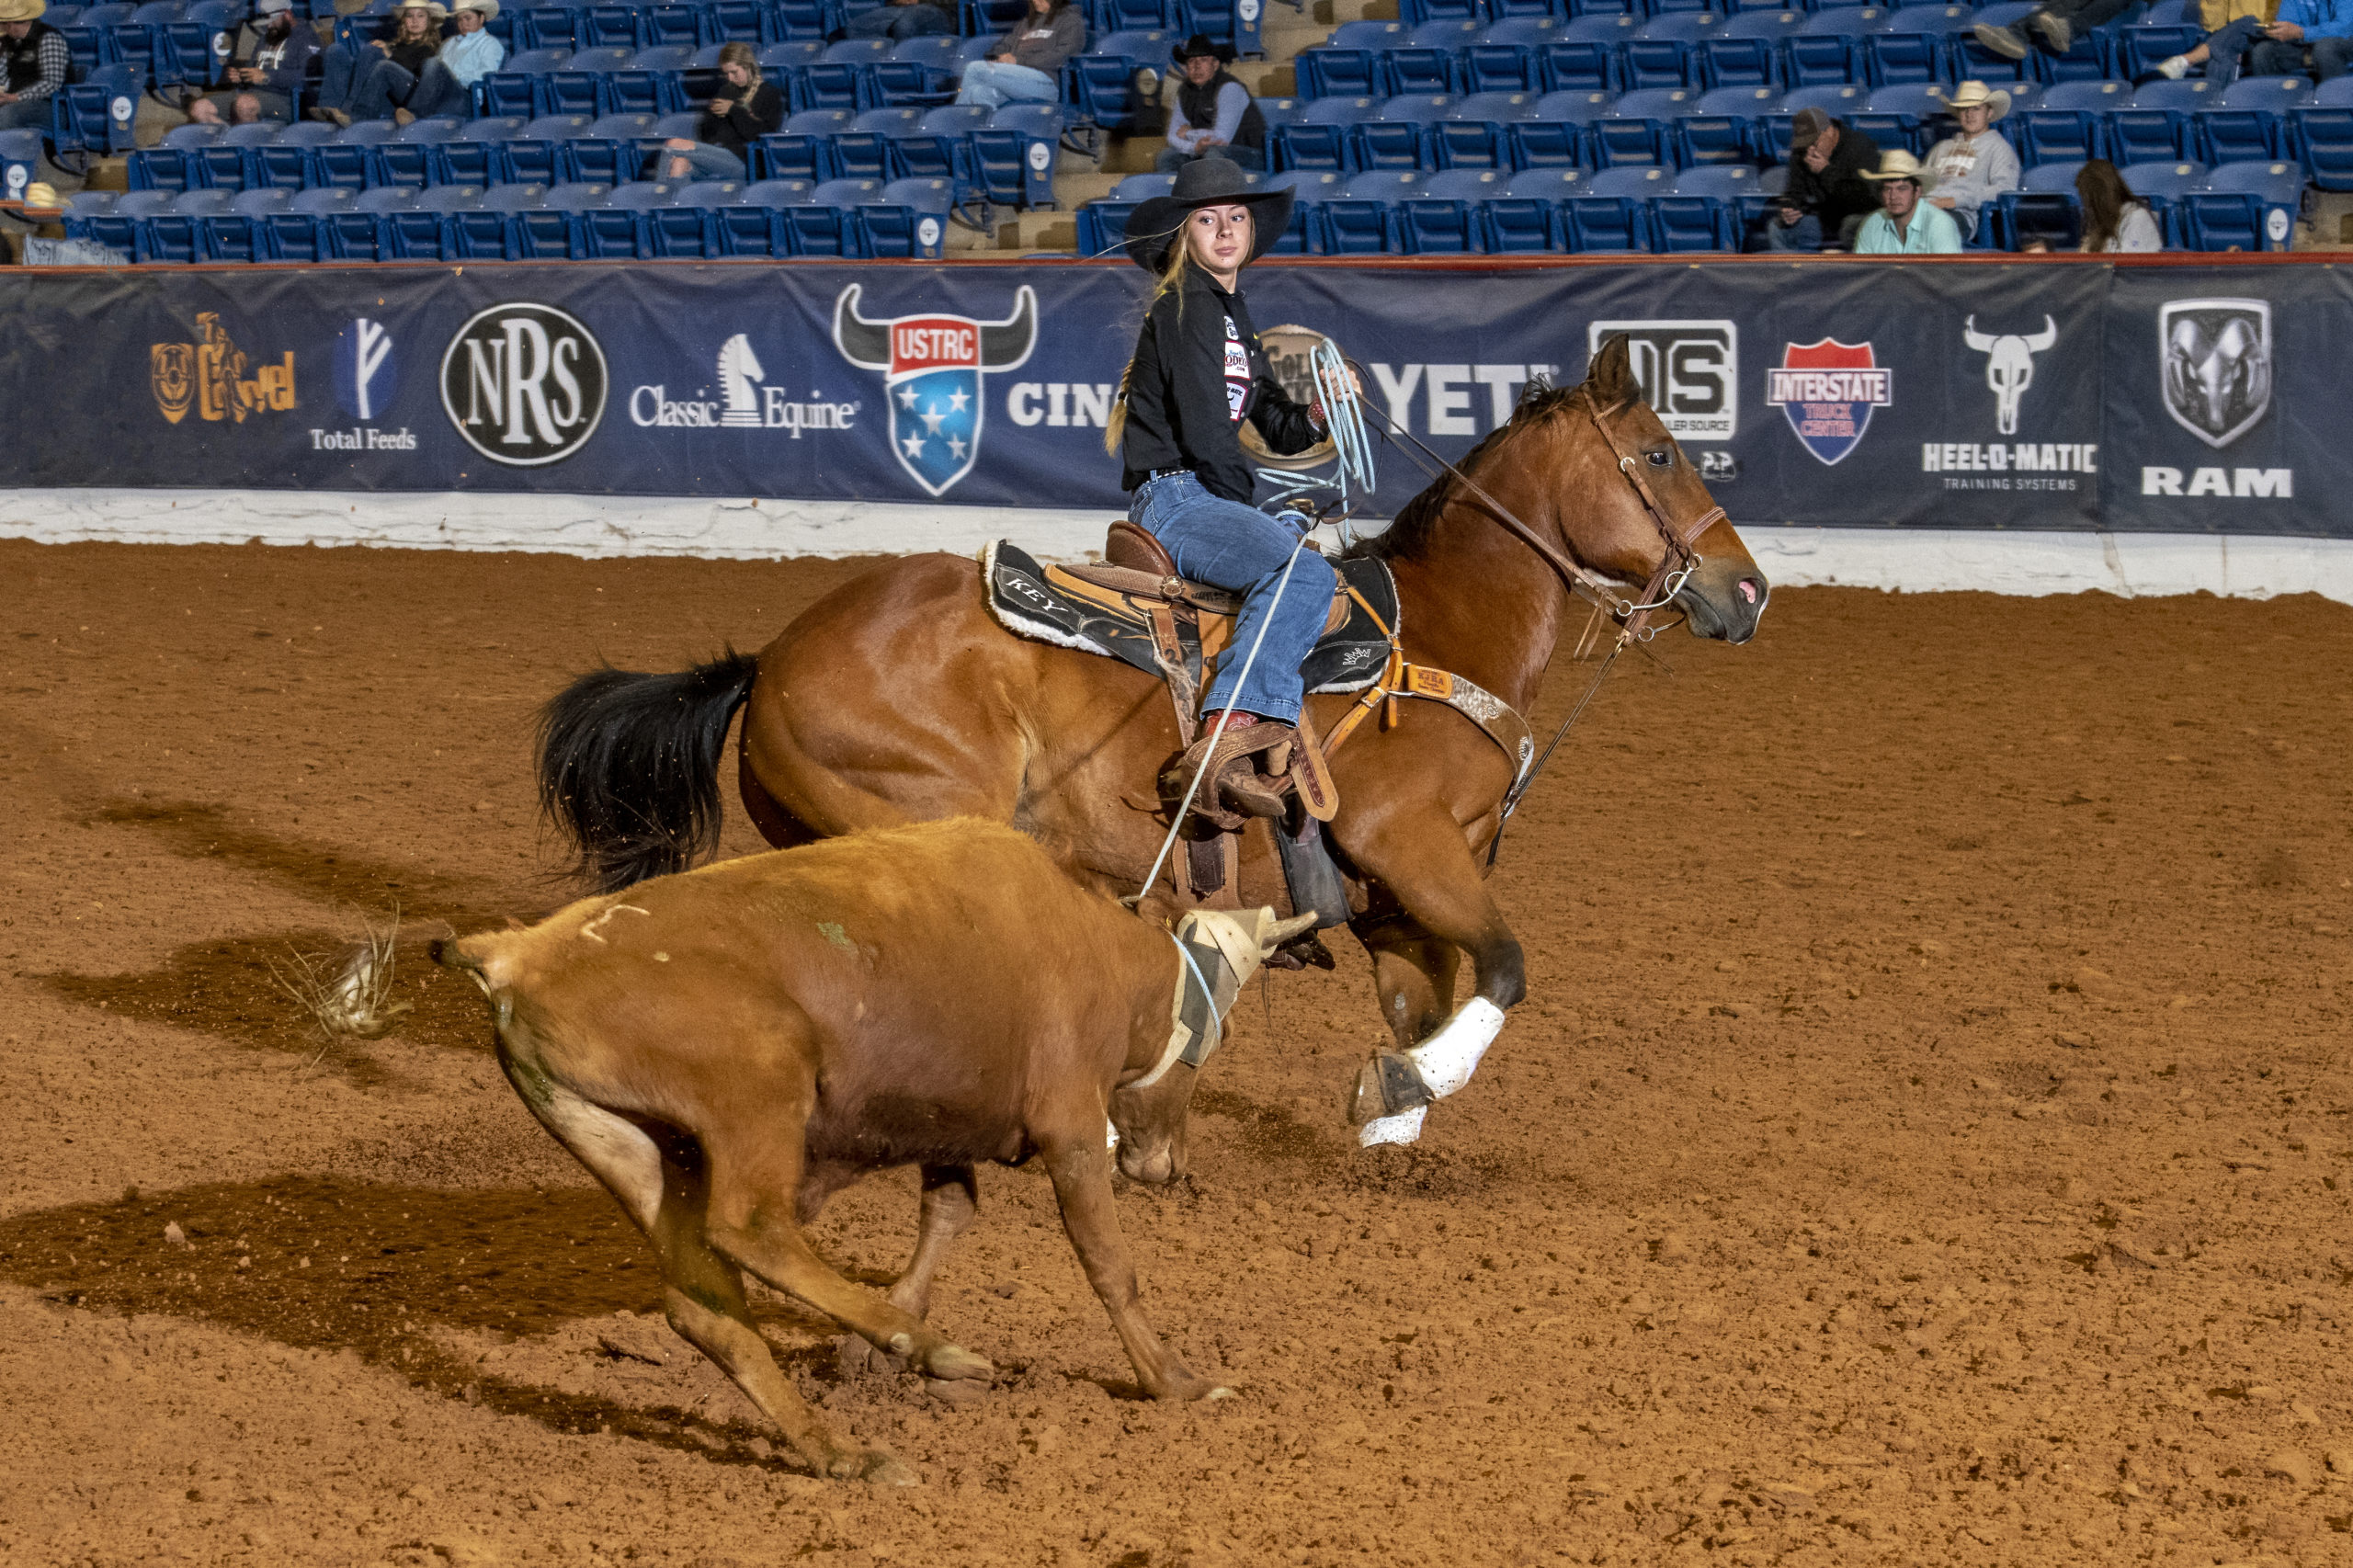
x,y
1905,225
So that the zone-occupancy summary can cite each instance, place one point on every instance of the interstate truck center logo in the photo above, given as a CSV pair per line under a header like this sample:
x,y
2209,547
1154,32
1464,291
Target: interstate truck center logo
x,y
209,376
1689,372
2217,359
524,384
932,368
1828,388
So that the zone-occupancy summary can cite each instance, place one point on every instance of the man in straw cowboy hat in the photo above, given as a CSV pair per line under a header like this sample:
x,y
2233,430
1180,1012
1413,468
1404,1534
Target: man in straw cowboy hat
x,y
1977,165
1214,117
1905,225
1826,200
38,62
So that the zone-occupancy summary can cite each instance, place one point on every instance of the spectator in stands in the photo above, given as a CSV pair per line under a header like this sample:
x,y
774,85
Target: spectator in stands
x,y
2233,28
2058,22
2114,219
1024,64
1977,165
1214,116
39,62
1826,198
468,54
2308,36
1905,225
381,76
746,108
903,19
262,79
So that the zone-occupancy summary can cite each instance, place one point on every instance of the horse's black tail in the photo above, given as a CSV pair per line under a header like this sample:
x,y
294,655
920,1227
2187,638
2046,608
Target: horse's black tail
x,y
629,766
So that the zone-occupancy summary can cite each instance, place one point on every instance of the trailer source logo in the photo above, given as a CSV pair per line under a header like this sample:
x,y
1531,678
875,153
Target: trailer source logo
x,y
209,375
2217,358
524,384
1829,389
932,368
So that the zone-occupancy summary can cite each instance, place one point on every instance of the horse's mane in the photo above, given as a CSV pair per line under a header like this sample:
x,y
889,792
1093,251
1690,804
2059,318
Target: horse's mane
x,y
1539,399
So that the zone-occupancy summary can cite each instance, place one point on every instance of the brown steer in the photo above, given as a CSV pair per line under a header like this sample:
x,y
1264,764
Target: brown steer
x,y
726,1049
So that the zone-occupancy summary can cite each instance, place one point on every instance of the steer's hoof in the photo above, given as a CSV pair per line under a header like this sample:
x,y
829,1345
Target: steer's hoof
x,y
854,1357
951,1362
1386,1084
877,1469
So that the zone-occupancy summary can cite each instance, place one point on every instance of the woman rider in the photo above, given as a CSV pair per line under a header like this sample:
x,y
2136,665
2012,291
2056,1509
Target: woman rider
x,y
1197,373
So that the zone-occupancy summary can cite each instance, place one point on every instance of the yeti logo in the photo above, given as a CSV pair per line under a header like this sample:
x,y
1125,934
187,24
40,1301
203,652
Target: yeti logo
x,y
2009,366
739,369
933,367
2217,359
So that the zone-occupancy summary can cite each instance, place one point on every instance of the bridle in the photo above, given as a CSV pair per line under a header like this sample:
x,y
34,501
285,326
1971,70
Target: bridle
x,y
1676,561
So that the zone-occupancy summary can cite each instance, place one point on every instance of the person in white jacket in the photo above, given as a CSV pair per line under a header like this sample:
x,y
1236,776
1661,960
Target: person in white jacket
x,y
1977,165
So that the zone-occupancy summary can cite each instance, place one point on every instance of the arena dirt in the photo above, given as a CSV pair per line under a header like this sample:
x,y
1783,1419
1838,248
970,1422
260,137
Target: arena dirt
x,y
1926,1140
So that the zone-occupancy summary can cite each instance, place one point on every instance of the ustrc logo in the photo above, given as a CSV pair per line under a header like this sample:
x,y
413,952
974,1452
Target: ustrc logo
x,y
524,383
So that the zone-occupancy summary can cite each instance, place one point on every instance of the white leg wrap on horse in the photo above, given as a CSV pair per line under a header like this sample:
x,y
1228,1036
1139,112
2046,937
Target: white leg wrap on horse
x,y
1448,1057
1110,1134
1406,1127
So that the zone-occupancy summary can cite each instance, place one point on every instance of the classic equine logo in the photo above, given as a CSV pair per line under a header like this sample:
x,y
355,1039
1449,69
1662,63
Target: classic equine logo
x,y
1829,389
210,375
745,401
1689,372
1288,349
365,375
2217,358
2009,364
524,384
933,367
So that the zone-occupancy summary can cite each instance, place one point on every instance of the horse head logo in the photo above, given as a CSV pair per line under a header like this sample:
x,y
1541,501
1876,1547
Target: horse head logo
x,y
932,366
739,371
2217,355
2009,364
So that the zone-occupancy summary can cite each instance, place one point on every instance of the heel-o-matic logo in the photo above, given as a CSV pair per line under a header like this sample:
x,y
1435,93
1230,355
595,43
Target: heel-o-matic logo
x,y
933,367
1829,389
524,384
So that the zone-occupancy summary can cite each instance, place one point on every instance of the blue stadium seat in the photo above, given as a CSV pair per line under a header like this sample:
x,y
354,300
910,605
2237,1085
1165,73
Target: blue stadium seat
x,y
1559,135
940,147
1360,218
2245,206
117,227
472,157
192,48
2141,49
1747,50
804,150
173,232
2069,125
1585,57
1013,156
1526,219
1098,82
1668,52
242,232
610,23
1423,64
2250,122
516,87
741,21
784,61
1639,128
614,224
863,150
1908,45
348,158
1398,136
2324,133
1910,115
828,223
299,231
1310,190
1827,50
2159,124
1473,135
1704,209
1420,11
1506,57
539,28
525,223
1720,127
1448,216
653,82
1321,139
405,157
681,224
1110,15
536,156
750,219
920,73
808,18
97,111
579,85
1612,213
2044,208
910,220
842,77
354,225
1972,61
2163,184
599,156
226,161
1102,224
1350,62
84,208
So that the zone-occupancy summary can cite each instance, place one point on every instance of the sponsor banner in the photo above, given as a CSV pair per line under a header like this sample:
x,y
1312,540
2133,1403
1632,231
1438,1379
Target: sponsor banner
x,y
1990,396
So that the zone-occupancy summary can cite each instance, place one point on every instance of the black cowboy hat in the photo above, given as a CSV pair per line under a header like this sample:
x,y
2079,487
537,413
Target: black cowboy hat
x,y
1205,182
1200,44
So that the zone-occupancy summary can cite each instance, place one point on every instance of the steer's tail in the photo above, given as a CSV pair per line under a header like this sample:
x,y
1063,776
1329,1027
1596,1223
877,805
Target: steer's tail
x,y
629,766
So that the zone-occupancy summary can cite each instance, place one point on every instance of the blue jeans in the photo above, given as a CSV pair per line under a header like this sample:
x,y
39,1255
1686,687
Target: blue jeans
x,y
993,85
2225,51
703,162
2330,56
1805,235
918,20
366,86
1243,551
1171,159
30,114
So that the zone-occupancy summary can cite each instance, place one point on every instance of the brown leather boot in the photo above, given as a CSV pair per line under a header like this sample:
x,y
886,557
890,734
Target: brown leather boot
x,y
1233,788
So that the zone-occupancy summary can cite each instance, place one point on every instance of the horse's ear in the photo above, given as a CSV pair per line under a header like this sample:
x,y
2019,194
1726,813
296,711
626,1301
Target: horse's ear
x,y
1610,377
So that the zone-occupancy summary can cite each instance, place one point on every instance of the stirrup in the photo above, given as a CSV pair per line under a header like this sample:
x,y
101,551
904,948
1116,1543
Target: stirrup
x,y
1232,787
1386,1084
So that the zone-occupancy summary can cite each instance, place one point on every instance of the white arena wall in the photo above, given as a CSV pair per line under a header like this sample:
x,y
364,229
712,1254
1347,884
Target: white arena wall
x,y
1904,561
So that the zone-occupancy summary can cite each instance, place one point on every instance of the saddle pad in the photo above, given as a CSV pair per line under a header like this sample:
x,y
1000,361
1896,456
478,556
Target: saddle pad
x,y
1028,601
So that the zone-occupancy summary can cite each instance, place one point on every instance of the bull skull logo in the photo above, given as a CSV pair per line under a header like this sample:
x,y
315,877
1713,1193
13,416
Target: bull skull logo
x,y
932,368
2217,359
2009,364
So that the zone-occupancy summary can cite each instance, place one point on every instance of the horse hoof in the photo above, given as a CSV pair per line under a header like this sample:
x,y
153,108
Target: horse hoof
x,y
1388,1084
951,1362
1401,1128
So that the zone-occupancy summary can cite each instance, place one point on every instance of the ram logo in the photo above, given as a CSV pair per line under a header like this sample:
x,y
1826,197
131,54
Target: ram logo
x,y
2217,358
2009,364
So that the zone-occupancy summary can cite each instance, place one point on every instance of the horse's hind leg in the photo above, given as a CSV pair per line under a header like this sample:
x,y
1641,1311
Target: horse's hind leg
x,y
951,1196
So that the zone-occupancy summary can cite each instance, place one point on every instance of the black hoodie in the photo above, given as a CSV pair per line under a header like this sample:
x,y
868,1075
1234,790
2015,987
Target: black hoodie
x,y
1198,373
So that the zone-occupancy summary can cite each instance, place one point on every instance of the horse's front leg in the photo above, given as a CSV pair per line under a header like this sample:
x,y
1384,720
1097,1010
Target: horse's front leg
x,y
1428,869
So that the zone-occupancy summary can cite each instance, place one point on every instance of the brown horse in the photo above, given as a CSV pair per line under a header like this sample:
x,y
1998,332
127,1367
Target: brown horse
x,y
896,699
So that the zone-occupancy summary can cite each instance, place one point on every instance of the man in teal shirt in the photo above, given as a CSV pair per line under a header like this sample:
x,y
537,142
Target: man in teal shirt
x,y
1903,225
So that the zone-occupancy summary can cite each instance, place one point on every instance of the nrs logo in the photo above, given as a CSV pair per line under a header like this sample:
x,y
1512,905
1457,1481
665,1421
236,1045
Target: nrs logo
x,y
1689,372
524,384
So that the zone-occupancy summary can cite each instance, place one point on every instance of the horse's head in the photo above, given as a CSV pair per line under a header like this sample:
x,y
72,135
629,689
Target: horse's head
x,y
1616,462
